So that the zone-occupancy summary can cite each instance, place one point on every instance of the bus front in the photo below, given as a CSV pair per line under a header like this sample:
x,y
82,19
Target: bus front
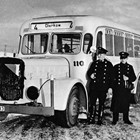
x,y
46,85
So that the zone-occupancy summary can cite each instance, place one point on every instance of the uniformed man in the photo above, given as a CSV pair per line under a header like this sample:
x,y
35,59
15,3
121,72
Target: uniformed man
x,y
123,73
101,79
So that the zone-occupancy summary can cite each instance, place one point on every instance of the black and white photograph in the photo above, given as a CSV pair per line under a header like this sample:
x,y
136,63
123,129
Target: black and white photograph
x,y
69,70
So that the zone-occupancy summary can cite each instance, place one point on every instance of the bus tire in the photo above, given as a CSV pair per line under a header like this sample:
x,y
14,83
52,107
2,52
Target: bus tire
x,y
69,117
3,116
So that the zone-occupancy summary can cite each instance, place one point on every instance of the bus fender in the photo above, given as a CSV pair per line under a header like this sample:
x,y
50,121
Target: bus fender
x,y
62,89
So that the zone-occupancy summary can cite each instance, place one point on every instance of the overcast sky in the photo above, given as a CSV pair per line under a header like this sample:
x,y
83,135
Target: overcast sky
x,y
14,12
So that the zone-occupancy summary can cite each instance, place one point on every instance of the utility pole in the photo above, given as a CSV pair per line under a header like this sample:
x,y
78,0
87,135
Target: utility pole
x,y
5,50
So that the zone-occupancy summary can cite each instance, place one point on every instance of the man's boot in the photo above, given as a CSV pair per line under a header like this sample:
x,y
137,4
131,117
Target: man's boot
x,y
99,122
115,118
91,116
126,118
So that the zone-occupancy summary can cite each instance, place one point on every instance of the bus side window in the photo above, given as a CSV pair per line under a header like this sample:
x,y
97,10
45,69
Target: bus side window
x,y
118,42
109,41
99,39
87,43
129,44
137,46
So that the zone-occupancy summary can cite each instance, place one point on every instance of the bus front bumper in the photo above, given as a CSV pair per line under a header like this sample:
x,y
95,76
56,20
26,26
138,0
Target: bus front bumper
x,y
24,109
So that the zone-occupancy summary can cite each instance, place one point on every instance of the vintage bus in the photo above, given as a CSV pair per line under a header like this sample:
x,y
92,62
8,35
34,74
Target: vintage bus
x,y
48,76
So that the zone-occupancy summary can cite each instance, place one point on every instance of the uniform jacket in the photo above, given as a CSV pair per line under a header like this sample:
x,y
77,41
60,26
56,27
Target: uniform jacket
x,y
121,95
123,69
103,72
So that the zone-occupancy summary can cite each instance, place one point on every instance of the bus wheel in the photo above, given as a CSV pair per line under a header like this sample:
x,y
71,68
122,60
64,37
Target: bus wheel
x,y
69,117
3,116
72,110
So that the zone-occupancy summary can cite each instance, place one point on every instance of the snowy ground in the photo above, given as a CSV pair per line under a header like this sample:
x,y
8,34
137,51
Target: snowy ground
x,y
39,128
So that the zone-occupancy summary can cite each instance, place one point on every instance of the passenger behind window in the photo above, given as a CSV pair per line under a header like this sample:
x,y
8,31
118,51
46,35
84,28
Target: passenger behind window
x,y
67,48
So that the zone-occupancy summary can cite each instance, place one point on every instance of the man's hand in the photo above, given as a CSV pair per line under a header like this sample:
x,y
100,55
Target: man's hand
x,y
92,76
109,93
125,78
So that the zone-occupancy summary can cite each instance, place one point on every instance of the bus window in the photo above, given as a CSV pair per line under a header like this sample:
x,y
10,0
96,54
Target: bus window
x,y
35,44
137,46
87,43
99,39
129,44
109,41
118,42
65,43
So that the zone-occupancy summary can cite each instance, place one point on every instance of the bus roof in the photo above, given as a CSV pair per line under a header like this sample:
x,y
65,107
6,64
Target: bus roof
x,y
81,20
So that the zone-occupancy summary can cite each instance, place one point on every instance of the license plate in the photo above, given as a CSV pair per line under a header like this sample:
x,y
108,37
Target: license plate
x,y
2,108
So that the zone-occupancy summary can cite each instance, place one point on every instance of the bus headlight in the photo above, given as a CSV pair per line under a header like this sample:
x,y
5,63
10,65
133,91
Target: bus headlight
x,y
32,93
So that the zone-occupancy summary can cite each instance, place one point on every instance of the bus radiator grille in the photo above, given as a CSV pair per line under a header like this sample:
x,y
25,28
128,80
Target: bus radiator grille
x,y
9,83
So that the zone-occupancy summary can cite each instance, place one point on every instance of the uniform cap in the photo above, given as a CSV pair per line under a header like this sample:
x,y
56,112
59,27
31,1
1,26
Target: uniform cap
x,y
101,50
123,55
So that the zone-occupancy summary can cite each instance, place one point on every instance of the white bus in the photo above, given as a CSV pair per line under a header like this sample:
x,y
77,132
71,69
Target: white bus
x,y
48,77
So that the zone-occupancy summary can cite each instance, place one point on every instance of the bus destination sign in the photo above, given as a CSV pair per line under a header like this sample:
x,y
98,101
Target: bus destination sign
x,y
52,25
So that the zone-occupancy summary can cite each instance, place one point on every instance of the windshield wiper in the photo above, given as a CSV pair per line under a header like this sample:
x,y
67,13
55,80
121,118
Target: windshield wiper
x,y
29,49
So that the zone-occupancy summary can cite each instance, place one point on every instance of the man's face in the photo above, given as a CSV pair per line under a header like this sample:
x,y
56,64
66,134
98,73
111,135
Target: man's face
x,y
124,60
101,56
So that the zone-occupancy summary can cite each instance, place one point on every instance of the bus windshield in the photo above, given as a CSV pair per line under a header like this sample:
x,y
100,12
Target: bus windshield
x,y
35,43
65,43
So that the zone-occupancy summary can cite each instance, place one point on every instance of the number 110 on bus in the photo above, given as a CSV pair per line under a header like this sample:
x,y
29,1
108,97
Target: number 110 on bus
x,y
78,63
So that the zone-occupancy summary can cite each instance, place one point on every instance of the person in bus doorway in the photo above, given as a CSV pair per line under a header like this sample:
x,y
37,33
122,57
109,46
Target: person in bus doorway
x,y
100,74
124,75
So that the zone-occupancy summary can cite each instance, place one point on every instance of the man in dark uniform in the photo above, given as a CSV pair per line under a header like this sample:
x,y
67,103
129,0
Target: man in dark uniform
x,y
100,74
123,73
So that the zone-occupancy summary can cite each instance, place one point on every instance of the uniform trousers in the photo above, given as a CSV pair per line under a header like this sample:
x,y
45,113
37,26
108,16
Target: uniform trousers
x,y
116,116
94,95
